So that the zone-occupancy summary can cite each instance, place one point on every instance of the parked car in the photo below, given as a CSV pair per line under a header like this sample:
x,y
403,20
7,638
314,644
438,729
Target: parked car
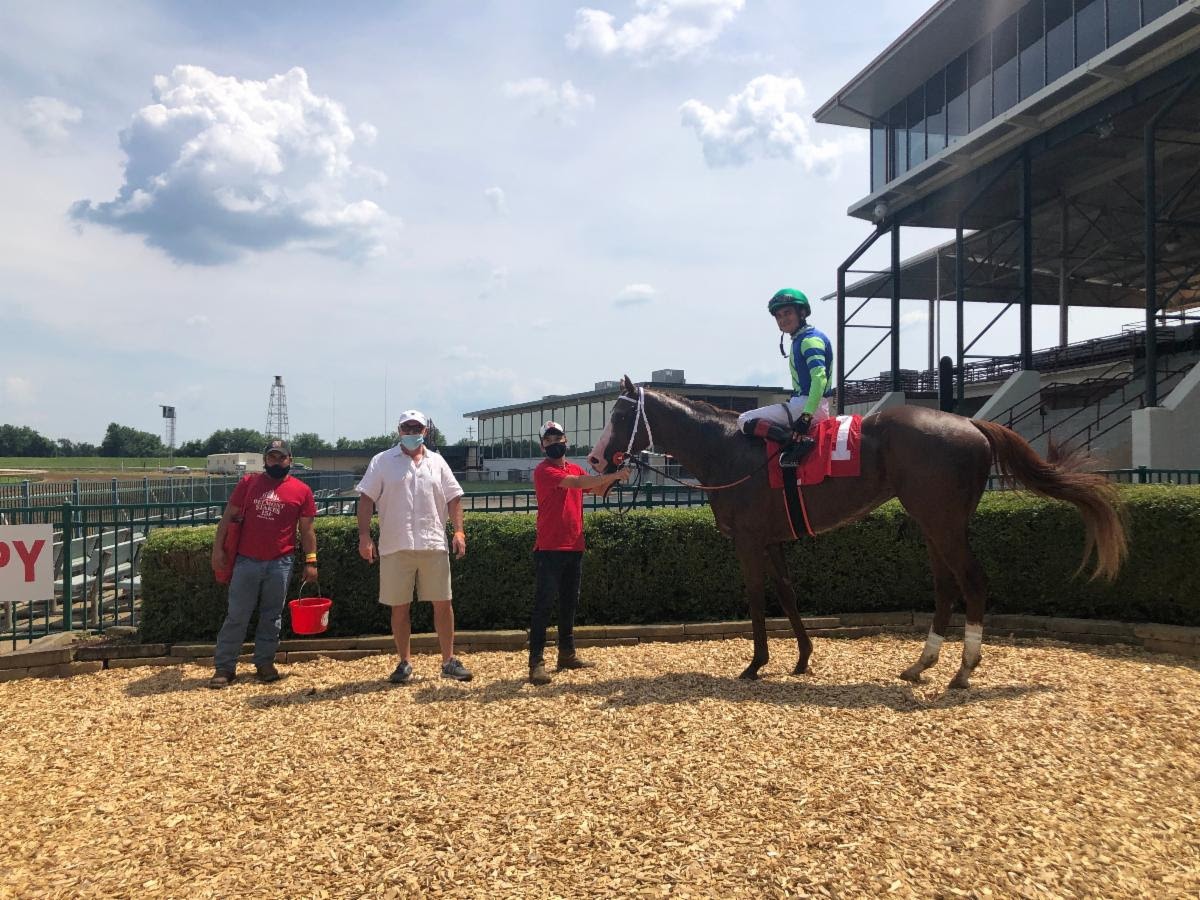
x,y
177,469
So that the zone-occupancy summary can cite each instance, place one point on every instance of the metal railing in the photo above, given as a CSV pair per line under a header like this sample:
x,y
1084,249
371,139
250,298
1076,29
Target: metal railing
x,y
97,547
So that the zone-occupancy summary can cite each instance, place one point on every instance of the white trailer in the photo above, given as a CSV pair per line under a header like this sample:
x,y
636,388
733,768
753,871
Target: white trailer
x,y
233,463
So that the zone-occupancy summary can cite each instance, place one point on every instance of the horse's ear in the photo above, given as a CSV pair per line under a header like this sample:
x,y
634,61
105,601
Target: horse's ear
x,y
627,386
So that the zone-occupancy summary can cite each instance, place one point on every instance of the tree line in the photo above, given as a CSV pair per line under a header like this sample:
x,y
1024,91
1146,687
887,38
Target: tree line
x,y
125,441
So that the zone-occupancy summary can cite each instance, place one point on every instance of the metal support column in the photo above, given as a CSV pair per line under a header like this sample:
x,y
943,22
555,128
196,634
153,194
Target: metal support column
x,y
839,351
1064,288
1026,260
960,278
895,306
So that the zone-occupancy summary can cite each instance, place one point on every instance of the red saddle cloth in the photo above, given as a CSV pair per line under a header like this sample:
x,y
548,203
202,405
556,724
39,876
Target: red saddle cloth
x,y
836,454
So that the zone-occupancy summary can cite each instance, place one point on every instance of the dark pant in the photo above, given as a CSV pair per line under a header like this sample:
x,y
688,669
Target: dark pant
x,y
557,578
260,584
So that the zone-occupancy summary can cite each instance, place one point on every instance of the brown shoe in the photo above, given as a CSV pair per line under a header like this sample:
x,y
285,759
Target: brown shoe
x,y
539,675
571,661
221,679
266,674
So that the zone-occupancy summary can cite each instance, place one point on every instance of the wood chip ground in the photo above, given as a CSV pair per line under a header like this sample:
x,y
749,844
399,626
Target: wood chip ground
x,y
1065,771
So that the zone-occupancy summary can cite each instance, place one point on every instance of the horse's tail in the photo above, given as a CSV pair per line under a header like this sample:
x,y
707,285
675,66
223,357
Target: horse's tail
x,y
1093,495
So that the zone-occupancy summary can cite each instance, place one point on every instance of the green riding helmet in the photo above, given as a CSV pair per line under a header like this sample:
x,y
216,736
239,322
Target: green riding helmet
x,y
789,297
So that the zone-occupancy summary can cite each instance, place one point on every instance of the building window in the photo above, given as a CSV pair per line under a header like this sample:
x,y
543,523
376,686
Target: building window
x,y
1033,49
979,78
1089,29
935,113
916,127
956,99
899,142
1152,9
878,155
1005,86
1122,19
1060,40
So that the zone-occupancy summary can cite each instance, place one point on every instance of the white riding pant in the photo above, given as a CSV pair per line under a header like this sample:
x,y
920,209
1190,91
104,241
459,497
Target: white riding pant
x,y
775,412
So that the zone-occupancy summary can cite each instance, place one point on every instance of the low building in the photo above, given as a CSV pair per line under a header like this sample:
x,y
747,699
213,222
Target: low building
x,y
232,463
509,445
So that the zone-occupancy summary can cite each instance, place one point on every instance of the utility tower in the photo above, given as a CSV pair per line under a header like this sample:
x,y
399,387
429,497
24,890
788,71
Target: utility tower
x,y
277,417
168,414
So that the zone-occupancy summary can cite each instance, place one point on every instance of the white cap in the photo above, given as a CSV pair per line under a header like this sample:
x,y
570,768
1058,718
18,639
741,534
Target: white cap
x,y
414,415
551,426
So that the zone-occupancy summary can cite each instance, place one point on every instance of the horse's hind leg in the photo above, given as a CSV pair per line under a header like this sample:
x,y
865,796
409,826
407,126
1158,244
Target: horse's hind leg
x,y
945,591
787,599
969,573
753,562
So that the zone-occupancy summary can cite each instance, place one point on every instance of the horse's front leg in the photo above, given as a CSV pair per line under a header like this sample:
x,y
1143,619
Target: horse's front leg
x,y
753,562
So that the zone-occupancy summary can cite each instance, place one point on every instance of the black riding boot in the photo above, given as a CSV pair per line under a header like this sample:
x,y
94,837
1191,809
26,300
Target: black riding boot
x,y
793,450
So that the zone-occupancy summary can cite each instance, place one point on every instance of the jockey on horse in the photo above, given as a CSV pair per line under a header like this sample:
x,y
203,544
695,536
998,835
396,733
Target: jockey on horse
x,y
811,364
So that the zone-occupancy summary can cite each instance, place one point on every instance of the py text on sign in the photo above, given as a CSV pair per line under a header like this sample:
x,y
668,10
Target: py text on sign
x,y
26,563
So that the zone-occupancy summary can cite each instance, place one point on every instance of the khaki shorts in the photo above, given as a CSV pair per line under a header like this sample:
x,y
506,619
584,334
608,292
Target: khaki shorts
x,y
426,570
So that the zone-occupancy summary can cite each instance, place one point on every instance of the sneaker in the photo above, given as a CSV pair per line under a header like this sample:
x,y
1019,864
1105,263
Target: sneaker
x,y
538,674
453,668
221,679
266,674
403,673
571,661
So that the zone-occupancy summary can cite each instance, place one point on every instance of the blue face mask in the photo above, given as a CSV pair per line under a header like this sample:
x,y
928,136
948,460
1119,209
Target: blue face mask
x,y
411,441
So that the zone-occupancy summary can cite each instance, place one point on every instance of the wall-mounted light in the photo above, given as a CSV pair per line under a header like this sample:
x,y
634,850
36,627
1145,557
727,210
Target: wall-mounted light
x,y
1171,244
881,211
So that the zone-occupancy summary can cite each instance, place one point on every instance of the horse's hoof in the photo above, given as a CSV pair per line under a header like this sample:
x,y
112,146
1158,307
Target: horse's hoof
x,y
912,674
750,674
960,682
801,669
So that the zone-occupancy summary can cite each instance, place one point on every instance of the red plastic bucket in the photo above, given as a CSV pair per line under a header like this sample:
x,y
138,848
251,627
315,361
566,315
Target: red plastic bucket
x,y
310,615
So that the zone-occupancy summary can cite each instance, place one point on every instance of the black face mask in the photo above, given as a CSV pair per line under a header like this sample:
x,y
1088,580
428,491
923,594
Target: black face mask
x,y
277,471
556,451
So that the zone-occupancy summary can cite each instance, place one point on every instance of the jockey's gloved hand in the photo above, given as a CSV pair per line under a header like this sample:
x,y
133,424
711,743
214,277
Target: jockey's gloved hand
x,y
803,424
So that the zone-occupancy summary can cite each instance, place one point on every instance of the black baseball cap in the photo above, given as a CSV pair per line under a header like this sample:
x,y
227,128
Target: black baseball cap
x,y
277,446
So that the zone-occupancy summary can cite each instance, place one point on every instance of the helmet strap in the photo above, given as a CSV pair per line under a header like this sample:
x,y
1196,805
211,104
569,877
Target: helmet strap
x,y
782,352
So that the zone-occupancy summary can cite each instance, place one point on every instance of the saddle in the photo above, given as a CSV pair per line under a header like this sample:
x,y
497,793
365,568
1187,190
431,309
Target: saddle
x,y
835,454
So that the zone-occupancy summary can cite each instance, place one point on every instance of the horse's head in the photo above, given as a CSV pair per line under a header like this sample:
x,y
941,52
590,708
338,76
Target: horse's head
x,y
615,439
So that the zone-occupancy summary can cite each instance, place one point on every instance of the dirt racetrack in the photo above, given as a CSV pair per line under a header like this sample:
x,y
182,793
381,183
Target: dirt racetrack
x,y
1065,771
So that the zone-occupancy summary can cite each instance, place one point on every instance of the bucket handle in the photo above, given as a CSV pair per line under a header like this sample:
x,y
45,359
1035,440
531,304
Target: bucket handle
x,y
300,592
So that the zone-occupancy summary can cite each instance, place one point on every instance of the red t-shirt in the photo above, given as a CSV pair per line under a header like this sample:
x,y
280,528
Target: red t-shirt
x,y
270,511
560,509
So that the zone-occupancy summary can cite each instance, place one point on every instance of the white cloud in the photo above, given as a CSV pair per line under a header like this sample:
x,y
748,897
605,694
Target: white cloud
x,y
17,391
197,321
663,29
496,200
461,353
635,295
46,121
544,99
368,133
764,121
217,167
496,283
912,318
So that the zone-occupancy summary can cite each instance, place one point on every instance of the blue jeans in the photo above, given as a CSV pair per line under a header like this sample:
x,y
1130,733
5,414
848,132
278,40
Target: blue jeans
x,y
556,579
255,583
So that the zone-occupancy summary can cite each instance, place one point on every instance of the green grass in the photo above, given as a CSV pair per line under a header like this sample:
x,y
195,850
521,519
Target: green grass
x,y
476,487
97,462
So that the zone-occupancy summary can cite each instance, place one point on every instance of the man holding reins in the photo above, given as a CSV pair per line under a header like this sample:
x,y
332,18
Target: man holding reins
x,y
811,363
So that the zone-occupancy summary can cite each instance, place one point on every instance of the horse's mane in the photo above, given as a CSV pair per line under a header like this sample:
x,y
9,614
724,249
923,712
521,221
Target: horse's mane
x,y
714,420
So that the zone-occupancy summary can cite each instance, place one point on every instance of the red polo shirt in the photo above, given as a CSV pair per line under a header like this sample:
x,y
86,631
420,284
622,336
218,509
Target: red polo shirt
x,y
270,511
560,509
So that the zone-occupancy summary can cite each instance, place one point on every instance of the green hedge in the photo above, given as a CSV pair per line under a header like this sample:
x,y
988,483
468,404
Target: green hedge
x,y
672,565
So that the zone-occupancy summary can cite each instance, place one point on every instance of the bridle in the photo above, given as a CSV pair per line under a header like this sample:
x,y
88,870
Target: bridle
x,y
628,458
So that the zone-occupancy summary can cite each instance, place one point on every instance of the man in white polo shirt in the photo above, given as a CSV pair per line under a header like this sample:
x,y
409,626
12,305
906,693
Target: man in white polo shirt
x,y
414,491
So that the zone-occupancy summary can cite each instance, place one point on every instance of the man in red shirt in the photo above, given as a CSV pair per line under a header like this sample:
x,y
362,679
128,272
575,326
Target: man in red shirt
x,y
270,506
558,552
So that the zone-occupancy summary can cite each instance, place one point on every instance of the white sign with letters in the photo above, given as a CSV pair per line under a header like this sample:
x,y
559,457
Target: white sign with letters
x,y
26,563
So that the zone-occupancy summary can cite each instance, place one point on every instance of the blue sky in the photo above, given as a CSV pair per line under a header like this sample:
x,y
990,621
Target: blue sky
x,y
476,203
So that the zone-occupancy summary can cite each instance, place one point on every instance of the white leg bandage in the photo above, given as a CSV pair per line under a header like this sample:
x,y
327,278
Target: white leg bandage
x,y
972,645
933,647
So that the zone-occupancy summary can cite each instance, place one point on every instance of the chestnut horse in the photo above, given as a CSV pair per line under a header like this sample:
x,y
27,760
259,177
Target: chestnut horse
x,y
935,463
